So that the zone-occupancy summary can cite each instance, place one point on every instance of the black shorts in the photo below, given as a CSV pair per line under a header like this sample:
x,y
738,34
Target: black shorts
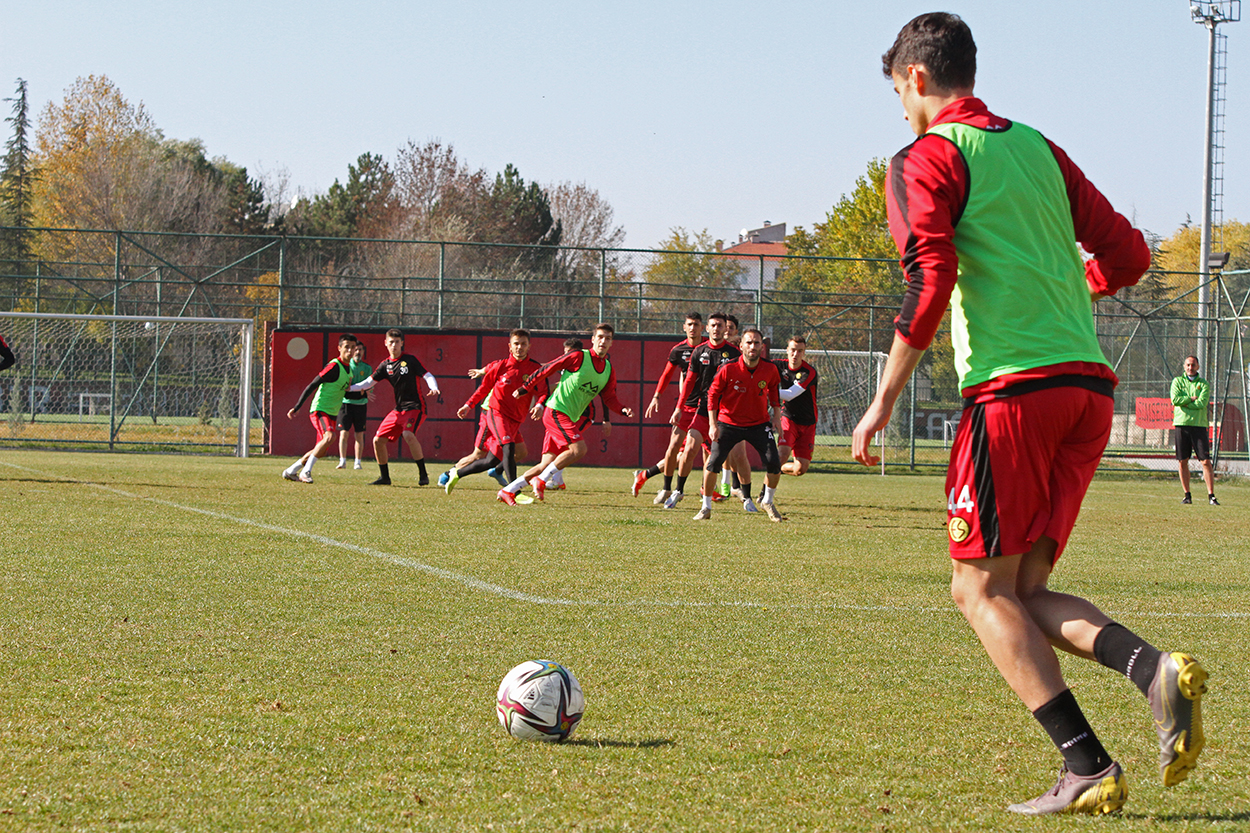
x,y
1192,439
760,437
352,415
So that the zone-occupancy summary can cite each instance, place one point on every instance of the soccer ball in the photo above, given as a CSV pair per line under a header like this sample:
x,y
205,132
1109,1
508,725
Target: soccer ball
x,y
540,700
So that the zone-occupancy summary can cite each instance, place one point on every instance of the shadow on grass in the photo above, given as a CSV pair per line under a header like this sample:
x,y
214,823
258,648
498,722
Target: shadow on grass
x,y
1196,816
654,743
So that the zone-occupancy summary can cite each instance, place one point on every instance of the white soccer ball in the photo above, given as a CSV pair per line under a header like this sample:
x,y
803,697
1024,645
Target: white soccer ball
x,y
540,700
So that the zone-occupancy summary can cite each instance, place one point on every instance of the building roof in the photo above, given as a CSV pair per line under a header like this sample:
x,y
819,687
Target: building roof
x,y
777,249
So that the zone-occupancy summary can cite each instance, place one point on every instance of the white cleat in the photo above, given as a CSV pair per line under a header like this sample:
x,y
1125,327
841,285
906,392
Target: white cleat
x,y
661,496
673,500
748,505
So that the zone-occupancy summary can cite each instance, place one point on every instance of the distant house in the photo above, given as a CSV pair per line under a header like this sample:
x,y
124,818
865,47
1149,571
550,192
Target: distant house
x,y
759,252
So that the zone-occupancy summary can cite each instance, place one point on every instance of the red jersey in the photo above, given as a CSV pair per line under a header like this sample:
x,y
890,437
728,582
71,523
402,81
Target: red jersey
x,y
678,362
501,378
741,396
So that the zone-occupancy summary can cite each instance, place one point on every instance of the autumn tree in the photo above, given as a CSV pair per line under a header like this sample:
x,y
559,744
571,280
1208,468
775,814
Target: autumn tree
x,y
1177,256
855,229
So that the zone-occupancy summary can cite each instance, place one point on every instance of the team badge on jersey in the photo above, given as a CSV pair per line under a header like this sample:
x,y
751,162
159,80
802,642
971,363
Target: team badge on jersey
x,y
958,529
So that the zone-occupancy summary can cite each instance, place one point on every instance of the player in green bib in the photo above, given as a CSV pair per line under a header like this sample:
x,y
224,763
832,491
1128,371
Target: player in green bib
x,y
585,374
987,213
326,389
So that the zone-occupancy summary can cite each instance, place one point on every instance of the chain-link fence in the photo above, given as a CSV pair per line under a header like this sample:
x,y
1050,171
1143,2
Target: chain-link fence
x,y
1146,331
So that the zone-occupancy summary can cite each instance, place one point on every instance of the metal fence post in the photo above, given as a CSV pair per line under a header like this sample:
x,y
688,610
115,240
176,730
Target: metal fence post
x,y
442,274
759,297
603,279
281,275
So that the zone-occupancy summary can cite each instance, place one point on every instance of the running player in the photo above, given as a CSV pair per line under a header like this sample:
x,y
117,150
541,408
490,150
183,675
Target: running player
x,y
985,212
503,418
739,403
798,411
329,385
690,415
401,370
678,363
587,374
355,410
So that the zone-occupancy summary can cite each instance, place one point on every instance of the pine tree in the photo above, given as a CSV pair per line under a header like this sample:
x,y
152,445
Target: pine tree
x,y
16,180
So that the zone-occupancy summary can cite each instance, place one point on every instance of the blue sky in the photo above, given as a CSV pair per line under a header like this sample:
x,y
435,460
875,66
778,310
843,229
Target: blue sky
x,y
699,115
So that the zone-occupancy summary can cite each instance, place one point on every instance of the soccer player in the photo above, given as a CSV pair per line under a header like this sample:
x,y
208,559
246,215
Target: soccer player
x,y
401,370
503,418
1190,395
355,410
329,385
985,212
7,359
678,363
744,405
798,411
587,374
690,415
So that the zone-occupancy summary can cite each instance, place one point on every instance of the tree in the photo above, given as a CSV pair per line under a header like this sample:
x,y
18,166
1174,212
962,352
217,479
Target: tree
x,y
360,208
16,182
856,227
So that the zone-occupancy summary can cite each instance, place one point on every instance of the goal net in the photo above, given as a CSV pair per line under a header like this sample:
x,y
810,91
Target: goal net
x,y
127,383
847,380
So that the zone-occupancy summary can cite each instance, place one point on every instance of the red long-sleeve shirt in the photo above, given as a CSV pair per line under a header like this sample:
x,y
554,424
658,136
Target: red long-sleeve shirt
x,y
500,379
741,395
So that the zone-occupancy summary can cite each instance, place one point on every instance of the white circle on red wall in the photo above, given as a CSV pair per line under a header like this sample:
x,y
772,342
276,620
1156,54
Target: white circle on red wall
x,y
297,348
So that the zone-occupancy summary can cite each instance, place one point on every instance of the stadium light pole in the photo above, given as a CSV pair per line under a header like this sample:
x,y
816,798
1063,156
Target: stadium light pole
x,y
1210,15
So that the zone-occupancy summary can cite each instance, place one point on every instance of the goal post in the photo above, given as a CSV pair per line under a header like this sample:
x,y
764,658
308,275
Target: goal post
x,y
127,382
847,381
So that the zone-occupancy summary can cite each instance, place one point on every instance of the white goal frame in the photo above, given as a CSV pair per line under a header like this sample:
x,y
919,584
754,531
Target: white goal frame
x,y
872,382
246,326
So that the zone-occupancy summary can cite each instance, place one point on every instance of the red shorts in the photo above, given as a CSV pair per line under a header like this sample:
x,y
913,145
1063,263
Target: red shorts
x,y
1020,467
561,432
700,424
801,439
322,422
495,432
397,422
685,418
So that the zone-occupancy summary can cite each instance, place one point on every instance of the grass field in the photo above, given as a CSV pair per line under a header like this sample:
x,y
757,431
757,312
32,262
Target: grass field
x,y
196,644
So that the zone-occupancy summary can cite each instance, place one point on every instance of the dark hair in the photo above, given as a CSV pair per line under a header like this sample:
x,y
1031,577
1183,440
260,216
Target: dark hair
x,y
573,343
942,42
348,337
519,333
394,333
732,319
750,330
694,316
716,315
607,328
361,345
797,339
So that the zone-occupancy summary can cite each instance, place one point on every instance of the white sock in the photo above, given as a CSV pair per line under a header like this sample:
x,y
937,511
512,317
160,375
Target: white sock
x,y
707,502
342,461
769,491
558,478
515,486
549,473
308,465
724,476
294,467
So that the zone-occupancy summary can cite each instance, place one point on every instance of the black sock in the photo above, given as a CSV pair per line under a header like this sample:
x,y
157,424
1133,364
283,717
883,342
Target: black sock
x,y
652,472
681,483
737,484
421,467
668,483
386,471
1121,650
484,464
1063,720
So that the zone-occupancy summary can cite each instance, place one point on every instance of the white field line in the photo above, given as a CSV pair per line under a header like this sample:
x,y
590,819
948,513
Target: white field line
x,y
505,592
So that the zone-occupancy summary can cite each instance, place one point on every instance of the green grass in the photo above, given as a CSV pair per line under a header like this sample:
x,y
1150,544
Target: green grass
x,y
196,644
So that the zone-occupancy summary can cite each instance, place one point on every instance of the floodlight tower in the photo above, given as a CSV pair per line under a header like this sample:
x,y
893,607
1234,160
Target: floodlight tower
x,y
1211,15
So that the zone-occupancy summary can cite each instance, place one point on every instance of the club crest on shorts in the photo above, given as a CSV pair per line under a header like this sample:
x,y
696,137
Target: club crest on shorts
x,y
958,529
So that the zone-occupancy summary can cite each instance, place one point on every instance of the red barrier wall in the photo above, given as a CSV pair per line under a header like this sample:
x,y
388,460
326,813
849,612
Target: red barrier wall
x,y
298,355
